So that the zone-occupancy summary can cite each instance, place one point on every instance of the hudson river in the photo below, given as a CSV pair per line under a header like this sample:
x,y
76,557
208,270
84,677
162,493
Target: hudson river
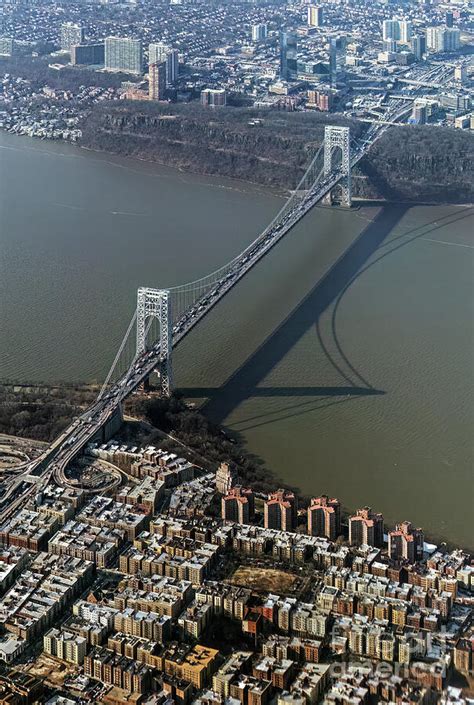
x,y
349,374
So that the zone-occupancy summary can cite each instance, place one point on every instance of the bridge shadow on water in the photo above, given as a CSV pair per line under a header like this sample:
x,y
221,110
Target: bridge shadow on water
x,y
243,383
386,249
207,392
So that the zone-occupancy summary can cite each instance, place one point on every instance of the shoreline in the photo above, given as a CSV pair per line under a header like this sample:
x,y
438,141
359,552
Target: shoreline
x,y
267,189
429,538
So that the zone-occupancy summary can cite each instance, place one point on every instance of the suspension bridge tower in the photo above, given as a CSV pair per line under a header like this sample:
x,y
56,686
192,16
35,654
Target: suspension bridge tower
x,y
156,303
338,138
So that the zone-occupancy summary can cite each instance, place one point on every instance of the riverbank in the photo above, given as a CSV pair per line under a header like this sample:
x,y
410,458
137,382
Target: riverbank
x,y
409,163
420,165
227,182
357,201
269,147
40,412
176,427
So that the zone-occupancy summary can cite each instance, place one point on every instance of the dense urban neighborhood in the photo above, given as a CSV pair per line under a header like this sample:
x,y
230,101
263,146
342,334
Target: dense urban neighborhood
x,y
148,578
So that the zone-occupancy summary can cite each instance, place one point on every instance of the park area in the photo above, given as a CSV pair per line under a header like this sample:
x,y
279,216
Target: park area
x,y
264,579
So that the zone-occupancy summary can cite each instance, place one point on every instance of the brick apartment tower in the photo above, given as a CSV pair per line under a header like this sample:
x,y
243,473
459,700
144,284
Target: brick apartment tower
x,y
405,543
238,505
157,81
324,517
366,527
281,511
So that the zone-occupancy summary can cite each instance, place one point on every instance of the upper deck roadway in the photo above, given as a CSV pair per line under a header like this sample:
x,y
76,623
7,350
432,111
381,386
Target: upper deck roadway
x,y
51,465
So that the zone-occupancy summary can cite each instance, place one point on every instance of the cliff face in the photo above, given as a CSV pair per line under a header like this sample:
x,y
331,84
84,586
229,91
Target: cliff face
x,y
272,148
203,148
423,164
268,148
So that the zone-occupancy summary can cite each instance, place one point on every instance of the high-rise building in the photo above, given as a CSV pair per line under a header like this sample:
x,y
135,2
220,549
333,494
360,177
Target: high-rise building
x,y
449,19
443,39
366,528
337,58
460,74
6,46
324,517
391,29
315,16
226,477
123,54
452,40
213,97
88,54
399,30
281,511
419,115
435,39
323,100
278,515
406,30
158,52
418,46
71,35
157,81
238,505
390,45
288,52
259,32
405,543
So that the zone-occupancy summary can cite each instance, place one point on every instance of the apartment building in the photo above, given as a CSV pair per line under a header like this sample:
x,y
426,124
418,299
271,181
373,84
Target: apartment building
x,y
114,669
148,493
366,528
324,517
12,561
148,625
227,600
28,529
239,662
195,665
195,619
41,592
281,511
238,505
65,646
405,543
99,544
104,511
163,595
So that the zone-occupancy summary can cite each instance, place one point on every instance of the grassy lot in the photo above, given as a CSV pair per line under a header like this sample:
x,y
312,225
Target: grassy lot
x,y
263,579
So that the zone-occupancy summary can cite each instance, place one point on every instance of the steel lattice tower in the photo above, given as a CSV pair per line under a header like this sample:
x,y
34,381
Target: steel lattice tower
x,y
339,138
156,303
